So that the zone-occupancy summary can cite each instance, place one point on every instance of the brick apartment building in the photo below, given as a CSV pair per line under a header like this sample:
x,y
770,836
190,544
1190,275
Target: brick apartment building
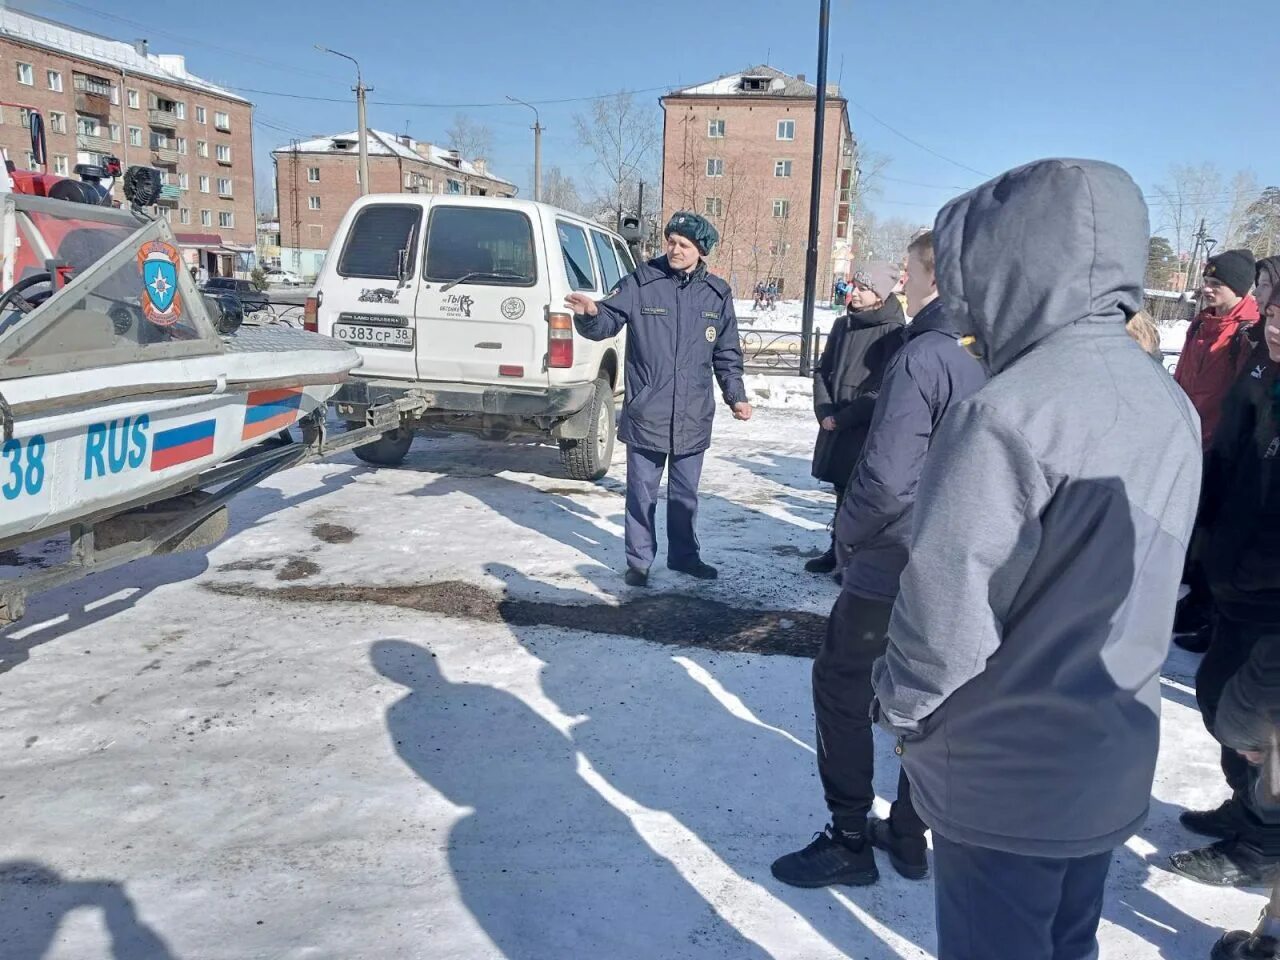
x,y
740,151
101,97
318,180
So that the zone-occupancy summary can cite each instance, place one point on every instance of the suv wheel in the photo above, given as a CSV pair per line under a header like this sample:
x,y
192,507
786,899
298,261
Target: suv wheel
x,y
589,458
389,450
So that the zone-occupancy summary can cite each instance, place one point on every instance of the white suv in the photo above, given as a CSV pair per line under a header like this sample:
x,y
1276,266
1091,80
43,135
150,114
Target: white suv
x,y
459,301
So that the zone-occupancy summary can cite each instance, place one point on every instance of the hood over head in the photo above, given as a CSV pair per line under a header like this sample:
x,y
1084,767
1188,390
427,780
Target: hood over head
x,y
1040,248
1267,289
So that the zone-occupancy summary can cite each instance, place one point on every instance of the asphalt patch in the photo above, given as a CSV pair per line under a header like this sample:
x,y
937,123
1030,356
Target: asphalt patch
x,y
674,619
297,568
333,533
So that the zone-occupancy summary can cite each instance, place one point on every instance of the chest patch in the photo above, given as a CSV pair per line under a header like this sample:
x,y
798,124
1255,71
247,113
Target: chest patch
x,y
709,315
711,334
654,311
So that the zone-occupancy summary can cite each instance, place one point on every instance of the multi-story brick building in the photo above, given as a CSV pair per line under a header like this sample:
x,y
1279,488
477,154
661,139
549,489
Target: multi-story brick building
x,y
318,180
740,151
101,97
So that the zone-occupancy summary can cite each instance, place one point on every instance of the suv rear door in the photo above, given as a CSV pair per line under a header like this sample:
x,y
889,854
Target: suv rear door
x,y
481,305
367,300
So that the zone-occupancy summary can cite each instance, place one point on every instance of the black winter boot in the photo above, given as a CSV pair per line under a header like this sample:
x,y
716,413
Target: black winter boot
x,y
636,577
823,564
698,569
909,855
1228,863
834,857
1223,823
1197,642
1242,945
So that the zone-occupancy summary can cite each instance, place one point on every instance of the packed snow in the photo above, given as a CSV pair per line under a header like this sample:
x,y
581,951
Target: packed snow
x,y
267,751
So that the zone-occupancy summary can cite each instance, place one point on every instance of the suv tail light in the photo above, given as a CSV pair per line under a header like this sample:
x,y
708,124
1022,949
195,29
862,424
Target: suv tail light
x,y
560,340
311,315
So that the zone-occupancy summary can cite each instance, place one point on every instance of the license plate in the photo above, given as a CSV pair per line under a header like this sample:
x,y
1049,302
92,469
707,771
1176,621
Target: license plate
x,y
367,335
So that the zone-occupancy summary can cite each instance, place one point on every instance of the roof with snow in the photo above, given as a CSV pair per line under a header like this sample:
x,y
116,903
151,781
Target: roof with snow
x,y
383,144
116,54
761,81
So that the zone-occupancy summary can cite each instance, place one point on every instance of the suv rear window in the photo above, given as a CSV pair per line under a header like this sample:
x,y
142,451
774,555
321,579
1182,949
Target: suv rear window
x,y
492,246
608,262
577,258
377,237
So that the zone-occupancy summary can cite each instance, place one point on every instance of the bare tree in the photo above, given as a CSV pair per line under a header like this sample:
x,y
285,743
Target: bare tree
x,y
559,190
1187,196
469,138
1262,224
1240,196
622,135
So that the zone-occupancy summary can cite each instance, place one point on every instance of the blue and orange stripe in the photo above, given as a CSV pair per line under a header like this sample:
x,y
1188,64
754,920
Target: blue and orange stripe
x,y
267,411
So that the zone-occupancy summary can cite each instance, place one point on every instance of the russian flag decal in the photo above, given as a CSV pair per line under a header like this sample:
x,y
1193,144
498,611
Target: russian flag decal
x,y
268,411
182,444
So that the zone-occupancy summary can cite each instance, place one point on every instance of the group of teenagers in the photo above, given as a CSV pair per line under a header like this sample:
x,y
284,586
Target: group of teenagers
x,y
1019,492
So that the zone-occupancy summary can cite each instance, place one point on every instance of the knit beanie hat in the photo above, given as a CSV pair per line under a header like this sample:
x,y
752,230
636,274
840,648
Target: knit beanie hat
x,y
694,228
1236,268
879,276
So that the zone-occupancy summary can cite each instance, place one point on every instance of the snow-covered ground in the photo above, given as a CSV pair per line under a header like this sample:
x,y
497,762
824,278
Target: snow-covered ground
x,y
376,722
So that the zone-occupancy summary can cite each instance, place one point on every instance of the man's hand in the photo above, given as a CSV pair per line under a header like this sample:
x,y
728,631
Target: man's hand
x,y
742,410
829,424
582,305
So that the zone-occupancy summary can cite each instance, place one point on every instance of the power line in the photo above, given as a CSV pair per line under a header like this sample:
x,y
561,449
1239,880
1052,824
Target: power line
x,y
441,106
917,143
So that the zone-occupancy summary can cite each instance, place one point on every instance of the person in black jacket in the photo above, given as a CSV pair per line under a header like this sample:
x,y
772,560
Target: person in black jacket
x,y
873,529
847,381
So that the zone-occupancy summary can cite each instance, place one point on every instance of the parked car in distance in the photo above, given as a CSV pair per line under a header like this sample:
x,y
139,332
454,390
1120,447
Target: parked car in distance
x,y
460,301
285,278
251,299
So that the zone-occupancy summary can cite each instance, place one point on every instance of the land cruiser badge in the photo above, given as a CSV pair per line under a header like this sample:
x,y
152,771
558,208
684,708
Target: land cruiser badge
x,y
513,308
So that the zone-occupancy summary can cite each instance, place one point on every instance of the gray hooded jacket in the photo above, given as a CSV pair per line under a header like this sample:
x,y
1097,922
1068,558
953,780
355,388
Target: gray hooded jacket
x,y
1051,523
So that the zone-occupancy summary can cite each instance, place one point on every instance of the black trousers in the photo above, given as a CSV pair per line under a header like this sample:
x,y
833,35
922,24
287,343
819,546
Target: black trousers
x,y
857,635
1232,644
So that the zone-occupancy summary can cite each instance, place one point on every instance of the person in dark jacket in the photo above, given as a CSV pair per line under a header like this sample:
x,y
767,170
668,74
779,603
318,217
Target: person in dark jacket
x,y
847,381
680,329
1022,676
924,380
1239,527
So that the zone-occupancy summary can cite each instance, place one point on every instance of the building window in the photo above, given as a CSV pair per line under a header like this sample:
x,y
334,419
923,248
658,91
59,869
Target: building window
x,y
184,181
781,209
313,203
55,80
159,141
777,248
453,186
202,148
714,207
135,136
226,219
31,160
786,129
133,99
57,122
224,153
200,116
715,167
62,166
715,129
224,186
24,117
313,174
115,132
182,145
206,218
782,168
180,110
26,76
166,213
204,184
222,120
184,215
85,126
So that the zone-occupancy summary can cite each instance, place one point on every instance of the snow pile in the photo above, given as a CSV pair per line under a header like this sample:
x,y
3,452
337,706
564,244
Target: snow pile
x,y
789,393
1174,336
785,316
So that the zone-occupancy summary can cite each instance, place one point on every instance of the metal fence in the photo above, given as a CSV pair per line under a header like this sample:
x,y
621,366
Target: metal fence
x,y
776,352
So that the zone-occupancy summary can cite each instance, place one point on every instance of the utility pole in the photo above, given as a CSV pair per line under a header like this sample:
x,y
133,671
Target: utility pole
x,y
1200,236
815,194
360,90
537,148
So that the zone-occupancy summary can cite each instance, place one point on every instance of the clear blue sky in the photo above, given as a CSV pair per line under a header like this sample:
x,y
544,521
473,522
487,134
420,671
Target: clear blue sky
x,y
988,84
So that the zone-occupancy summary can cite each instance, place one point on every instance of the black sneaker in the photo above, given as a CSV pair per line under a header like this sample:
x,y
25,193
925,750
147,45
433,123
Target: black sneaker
x,y
698,569
823,564
1242,945
1191,618
1197,642
1227,863
636,577
908,855
834,857
1222,823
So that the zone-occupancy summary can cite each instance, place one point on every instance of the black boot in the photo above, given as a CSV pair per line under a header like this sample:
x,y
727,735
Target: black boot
x,y
1242,945
908,855
1197,642
695,568
823,564
834,857
1223,823
1191,616
1228,863
636,577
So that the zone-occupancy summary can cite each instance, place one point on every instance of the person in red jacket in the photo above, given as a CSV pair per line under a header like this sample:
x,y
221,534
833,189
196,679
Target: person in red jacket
x,y
1216,350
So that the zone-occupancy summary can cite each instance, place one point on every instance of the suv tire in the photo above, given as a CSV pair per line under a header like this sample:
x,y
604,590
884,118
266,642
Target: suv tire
x,y
389,450
589,458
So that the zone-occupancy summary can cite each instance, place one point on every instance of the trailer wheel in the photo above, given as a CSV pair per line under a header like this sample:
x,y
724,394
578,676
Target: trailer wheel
x,y
389,450
589,458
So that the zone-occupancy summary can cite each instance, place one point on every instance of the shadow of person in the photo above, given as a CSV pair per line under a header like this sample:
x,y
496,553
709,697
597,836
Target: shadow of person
x,y
541,860
34,901
657,730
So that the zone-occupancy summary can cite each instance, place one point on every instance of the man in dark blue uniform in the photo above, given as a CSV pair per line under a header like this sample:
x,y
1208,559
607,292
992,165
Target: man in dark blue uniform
x,y
681,329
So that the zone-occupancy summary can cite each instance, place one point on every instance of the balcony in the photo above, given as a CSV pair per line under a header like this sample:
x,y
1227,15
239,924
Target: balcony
x,y
164,119
225,195
223,125
166,155
169,196
224,161
94,144
93,96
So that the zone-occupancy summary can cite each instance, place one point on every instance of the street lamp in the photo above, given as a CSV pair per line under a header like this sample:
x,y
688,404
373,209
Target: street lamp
x,y
537,148
360,92
815,194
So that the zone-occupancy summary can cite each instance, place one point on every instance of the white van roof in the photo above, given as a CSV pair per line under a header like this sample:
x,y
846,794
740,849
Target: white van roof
x,y
465,200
